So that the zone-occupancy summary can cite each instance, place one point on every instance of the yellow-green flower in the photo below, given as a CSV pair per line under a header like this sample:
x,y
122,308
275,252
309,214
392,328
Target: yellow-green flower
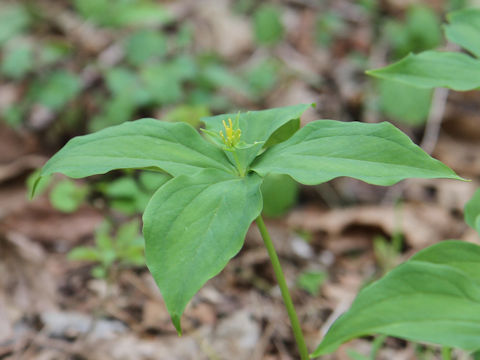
x,y
230,136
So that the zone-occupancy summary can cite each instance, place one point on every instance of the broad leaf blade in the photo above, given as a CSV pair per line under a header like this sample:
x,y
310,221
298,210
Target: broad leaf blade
x,y
176,148
193,226
460,255
472,211
378,154
464,29
260,126
432,69
424,299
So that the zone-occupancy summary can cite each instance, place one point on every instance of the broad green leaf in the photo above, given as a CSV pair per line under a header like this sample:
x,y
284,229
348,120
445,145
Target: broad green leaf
x,y
279,194
219,76
56,90
116,110
164,80
267,25
464,29
259,126
53,51
190,114
193,226
144,46
457,254
18,60
67,196
127,233
328,25
263,77
378,154
420,31
472,211
429,298
431,69
124,82
13,20
175,148
404,103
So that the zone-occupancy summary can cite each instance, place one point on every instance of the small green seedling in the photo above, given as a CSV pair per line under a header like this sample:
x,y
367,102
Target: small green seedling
x,y
454,70
67,196
197,221
420,31
109,253
311,281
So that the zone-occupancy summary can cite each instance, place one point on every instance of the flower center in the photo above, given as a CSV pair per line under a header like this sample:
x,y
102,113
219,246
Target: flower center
x,y
230,136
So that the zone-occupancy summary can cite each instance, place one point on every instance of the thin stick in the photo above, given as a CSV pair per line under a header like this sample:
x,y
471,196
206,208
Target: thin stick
x,y
297,330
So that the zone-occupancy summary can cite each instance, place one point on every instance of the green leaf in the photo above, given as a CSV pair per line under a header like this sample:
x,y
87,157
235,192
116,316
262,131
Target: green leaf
x,y
84,253
124,82
472,211
144,45
164,80
13,20
378,154
279,194
17,60
67,196
263,76
56,90
122,12
434,297
127,233
190,114
193,226
173,147
267,25
431,69
260,126
404,103
464,29
311,281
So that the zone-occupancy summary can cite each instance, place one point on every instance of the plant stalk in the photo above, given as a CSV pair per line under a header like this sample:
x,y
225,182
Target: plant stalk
x,y
446,353
297,330
240,169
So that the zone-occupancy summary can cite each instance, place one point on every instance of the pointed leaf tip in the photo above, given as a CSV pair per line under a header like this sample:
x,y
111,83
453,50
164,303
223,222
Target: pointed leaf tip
x,y
176,323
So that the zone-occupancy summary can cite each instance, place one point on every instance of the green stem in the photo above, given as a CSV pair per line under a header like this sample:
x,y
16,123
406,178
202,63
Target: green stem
x,y
446,353
297,330
240,169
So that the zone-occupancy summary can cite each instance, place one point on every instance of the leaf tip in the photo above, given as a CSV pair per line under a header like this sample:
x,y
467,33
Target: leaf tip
x,y
33,189
176,323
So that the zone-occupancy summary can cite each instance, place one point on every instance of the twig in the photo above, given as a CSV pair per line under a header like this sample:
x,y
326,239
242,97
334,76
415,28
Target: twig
x,y
434,121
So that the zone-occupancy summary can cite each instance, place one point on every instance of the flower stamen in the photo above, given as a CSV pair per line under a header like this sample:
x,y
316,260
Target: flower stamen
x,y
230,136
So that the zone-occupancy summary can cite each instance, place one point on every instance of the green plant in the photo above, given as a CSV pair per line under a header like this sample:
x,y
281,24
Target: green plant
x,y
311,281
110,253
454,70
434,297
279,193
267,25
67,196
420,31
197,221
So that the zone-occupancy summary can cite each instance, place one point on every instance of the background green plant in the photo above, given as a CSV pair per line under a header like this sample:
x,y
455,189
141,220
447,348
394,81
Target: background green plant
x,y
434,297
